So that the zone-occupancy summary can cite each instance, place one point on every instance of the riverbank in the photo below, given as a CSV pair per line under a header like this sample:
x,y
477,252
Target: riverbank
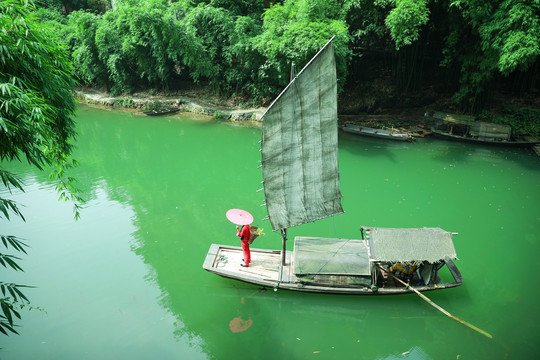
x,y
199,102
187,103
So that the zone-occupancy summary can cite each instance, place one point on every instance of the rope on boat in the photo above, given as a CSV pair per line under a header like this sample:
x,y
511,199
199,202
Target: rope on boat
x,y
222,260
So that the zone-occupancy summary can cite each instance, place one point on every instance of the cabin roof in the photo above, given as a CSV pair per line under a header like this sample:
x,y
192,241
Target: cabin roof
x,y
330,256
490,130
411,245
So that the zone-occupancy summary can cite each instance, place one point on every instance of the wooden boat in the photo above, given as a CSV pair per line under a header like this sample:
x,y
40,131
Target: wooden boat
x,y
301,185
479,132
484,141
346,266
161,112
377,133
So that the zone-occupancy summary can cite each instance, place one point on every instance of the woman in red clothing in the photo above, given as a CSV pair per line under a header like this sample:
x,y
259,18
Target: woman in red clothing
x,y
242,218
245,235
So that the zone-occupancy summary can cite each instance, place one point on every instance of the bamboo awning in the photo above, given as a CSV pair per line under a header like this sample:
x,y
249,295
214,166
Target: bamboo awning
x,y
411,245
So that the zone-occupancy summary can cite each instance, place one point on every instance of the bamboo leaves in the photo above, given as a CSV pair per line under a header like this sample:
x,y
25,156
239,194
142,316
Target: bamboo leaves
x,y
497,38
406,20
7,206
15,243
8,260
6,320
36,108
11,298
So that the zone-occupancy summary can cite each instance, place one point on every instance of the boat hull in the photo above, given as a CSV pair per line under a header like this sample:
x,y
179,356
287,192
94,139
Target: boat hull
x,y
160,112
377,133
265,270
511,143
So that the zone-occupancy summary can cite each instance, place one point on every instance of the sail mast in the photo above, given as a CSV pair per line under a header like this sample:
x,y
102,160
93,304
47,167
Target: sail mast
x,y
284,246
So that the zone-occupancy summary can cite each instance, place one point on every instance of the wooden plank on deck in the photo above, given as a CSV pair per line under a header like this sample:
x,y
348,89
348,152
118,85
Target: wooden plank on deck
x,y
263,264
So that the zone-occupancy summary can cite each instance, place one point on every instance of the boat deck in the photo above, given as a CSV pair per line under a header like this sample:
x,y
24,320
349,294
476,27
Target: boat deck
x,y
263,264
264,268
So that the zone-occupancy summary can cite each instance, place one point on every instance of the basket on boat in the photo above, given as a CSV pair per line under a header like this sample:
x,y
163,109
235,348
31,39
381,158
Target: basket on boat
x,y
255,232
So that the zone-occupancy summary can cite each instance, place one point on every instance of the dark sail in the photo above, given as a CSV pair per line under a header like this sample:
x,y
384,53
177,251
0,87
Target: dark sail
x,y
299,146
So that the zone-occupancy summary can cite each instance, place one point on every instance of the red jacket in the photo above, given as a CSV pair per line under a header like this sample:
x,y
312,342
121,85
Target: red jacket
x,y
244,233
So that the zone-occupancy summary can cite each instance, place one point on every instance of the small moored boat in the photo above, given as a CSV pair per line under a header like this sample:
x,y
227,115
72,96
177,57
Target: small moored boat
x,y
467,136
377,133
161,112
464,128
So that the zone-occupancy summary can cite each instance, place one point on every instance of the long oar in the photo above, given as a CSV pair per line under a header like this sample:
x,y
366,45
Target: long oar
x,y
438,307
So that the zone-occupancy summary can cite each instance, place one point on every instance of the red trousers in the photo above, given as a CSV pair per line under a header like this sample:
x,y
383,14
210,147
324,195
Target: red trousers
x,y
247,254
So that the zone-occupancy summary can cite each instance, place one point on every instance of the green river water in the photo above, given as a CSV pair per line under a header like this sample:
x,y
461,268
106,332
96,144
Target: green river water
x,y
126,280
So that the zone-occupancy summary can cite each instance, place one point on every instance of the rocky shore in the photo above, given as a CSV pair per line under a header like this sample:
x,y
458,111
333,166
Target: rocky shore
x,y
143,103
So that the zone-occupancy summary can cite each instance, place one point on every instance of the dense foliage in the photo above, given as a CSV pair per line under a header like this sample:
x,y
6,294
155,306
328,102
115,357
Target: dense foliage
x,y
36,107
494,39
233,46
247,47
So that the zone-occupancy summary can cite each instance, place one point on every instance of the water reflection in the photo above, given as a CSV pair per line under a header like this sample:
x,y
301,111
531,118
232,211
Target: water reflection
x,y
130,272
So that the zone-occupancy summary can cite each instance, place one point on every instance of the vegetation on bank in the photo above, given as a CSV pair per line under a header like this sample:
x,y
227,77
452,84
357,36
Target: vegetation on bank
x,y
470,49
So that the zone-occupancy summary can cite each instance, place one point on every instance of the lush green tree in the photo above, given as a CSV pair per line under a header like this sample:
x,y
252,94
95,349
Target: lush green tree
x,y
226,39
252,8
485,40
366,22
406,20
81,35
138,45
294,31
117,47
36,109
68,6
184,48
407,26
496,38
